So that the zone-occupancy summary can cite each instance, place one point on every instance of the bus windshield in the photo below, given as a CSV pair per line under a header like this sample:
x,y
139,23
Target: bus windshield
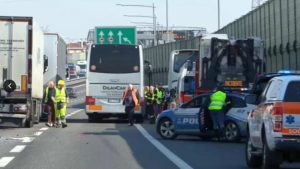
x,y
114,59
182,57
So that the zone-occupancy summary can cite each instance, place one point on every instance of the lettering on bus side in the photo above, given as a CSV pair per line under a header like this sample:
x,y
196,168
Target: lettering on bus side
x,y
114,87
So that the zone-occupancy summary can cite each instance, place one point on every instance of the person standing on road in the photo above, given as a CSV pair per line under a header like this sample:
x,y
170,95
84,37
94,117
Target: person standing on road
x,y
149,104
158,98
130,99
48,101
61,99
217,102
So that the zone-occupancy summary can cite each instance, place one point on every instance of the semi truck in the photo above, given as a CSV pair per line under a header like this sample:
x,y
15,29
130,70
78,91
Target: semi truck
x,y
22,70
233,64
82,66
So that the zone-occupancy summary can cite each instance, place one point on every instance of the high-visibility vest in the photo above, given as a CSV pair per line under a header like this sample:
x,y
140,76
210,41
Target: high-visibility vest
x,y
60,95
134,96
149,96
217,100
158,96
46,95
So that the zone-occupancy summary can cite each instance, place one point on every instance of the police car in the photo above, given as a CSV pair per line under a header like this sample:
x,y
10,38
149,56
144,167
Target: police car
x,y
192,118
274,125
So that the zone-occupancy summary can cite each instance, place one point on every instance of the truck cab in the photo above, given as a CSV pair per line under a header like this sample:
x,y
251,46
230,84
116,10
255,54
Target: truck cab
x,y
186,83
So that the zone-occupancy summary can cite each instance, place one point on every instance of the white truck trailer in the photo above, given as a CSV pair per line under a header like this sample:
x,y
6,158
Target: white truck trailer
x,y
22,68
55,50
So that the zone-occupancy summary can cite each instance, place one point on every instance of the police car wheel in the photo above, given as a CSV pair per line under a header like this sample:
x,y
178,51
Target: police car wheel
x,y
166,129
232,132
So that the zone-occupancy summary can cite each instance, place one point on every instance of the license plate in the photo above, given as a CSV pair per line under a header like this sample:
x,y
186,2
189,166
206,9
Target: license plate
x,y
233,83
113,100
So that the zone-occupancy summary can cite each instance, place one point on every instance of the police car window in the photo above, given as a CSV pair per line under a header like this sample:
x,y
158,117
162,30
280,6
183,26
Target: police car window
x,y
251,99
237,102
195,103
292,93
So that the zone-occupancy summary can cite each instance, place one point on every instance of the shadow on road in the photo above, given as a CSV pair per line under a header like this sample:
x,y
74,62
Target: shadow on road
x,y
98,121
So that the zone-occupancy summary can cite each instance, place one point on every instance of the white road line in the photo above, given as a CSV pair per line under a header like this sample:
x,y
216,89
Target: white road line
x,y
38,133
5,160
169,154
27,139
75,112
17,149
44,129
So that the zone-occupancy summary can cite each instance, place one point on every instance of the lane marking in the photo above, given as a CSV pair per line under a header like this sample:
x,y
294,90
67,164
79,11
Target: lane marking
x,y
169,154
38,133
5,160
75,112
23,139
17,149
27,139
44,129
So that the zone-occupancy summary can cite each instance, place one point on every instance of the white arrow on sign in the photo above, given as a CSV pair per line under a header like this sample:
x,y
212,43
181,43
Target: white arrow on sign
x,y
101,34
127,40
120,34
101,39
110,34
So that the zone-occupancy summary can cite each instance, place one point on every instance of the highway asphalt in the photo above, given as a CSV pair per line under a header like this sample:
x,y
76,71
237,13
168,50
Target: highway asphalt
x,y
111,144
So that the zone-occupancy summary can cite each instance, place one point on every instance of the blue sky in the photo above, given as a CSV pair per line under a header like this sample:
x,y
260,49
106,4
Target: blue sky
x,y
73,18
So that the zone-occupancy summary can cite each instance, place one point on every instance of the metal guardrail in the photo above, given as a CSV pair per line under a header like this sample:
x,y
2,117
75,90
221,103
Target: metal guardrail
x,y
73,82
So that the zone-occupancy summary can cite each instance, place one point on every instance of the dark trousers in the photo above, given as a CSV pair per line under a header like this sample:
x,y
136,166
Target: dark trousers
x,y
149,110
51,114
218,118
129,110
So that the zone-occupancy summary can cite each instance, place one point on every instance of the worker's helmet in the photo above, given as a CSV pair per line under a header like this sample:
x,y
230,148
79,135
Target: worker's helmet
x,y
61,82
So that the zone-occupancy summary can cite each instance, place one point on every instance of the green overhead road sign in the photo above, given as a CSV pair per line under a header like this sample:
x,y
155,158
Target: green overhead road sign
x,y
115,35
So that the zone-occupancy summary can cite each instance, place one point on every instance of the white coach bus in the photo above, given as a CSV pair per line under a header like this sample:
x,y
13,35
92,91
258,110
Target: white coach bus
x,y
110,69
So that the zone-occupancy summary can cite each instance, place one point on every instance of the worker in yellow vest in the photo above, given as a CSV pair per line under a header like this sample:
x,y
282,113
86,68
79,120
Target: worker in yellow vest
x,y
61,100
216,107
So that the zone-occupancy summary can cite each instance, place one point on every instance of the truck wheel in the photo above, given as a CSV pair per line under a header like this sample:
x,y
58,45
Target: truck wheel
x,y
253,161
166,129
38,116
270,159
29,122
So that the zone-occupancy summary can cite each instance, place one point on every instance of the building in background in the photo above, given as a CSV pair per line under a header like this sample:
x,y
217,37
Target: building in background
x,y
76,51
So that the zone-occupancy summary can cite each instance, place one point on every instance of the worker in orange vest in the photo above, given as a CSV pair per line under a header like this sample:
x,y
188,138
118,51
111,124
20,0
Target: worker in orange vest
x,y
130,99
